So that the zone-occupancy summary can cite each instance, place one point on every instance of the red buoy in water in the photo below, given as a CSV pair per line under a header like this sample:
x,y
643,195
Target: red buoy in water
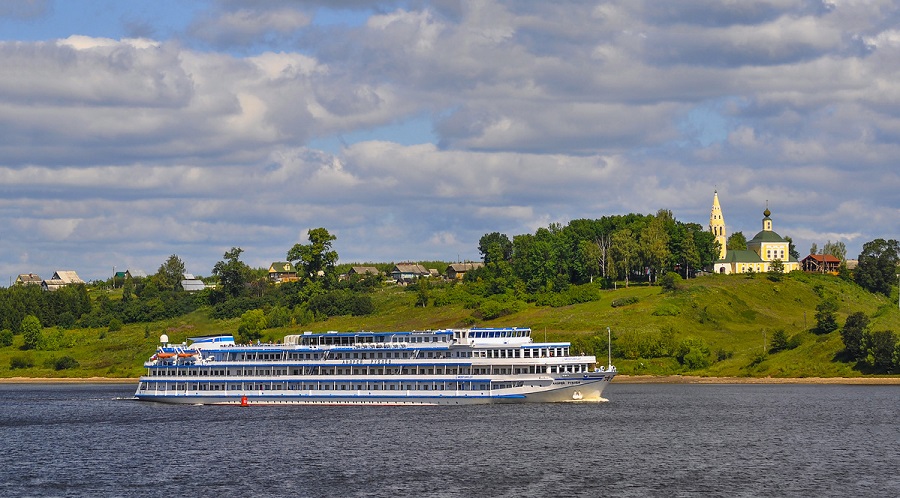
x,y
244,401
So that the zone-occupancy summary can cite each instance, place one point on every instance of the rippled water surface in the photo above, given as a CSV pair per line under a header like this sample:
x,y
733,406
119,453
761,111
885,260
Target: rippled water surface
x,y
648,440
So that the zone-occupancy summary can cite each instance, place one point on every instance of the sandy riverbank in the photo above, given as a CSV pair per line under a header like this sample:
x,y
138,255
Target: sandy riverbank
x,y
620,379
690,379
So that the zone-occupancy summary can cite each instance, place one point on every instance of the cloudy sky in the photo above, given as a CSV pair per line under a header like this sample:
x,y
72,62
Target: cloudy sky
x,y
130,131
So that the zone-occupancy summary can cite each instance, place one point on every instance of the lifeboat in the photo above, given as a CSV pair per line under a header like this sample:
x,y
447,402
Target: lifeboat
x,y
165,356
186,355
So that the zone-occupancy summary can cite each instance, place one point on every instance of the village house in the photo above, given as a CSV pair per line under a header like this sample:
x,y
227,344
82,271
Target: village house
x,y
282,271
190,283
28,279
406,272
821,263
456,271
61,278
363,270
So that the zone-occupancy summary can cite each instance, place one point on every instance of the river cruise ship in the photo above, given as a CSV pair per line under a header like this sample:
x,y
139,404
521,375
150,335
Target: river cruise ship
x,y
435,367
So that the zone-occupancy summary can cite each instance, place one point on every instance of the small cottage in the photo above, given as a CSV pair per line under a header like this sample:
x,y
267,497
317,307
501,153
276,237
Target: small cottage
x,y
282,271
457,271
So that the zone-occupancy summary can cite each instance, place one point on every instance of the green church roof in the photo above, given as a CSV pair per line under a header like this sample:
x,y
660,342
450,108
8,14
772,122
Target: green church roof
x,y
766,236
740,256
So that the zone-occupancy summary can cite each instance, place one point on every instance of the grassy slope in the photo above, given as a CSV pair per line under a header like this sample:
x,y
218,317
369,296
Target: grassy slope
x,y
729,313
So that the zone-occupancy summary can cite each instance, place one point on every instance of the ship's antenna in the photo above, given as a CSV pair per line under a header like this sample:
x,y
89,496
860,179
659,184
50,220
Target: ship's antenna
x,y
609,346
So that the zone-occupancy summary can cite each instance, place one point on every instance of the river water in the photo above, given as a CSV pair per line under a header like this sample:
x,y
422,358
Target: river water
x,y
648,440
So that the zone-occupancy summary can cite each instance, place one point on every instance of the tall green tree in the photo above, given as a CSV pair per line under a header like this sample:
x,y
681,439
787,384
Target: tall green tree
x,y
624,251
736,242
317,256
882,346
253,322
853,334
825,316
690,255
792,248
654,242
170,274
495,247
877,268
232,272
32,332
836,249
590,255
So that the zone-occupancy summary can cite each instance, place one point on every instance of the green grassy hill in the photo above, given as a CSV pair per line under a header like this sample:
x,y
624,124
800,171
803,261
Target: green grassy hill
x,y
734,316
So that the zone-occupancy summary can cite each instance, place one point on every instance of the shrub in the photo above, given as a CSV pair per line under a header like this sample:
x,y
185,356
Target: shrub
x,y
20,362
65,363
758,358
6,338
667,309
693,354
278,316
722,354
623,301
670,282
779,341
115,325
493,308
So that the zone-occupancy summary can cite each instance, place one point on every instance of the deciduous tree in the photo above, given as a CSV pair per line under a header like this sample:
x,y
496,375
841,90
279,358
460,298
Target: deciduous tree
x,y
624,250
881,348
736,242
32,332
232,272
170,274
877,268
825,316
853,334
317,256
836,249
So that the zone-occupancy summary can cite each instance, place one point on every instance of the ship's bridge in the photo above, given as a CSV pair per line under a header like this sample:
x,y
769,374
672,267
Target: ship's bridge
x,y
492,336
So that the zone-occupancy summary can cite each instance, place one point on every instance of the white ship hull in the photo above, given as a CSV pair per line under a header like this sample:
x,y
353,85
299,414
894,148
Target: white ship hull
x,y
569,389
445,367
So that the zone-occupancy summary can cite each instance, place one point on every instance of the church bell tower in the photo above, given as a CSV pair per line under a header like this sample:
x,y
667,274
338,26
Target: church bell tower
x,y
717,224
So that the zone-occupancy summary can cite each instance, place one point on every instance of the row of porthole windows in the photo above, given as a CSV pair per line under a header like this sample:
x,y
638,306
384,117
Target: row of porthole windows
x,y
325,386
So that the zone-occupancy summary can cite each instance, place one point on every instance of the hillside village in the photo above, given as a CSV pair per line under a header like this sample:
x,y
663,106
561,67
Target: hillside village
x,y
278,272
764,252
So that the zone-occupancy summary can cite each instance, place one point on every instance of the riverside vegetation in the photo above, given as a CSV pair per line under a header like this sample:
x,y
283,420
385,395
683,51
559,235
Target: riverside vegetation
x,y
567,283
709,326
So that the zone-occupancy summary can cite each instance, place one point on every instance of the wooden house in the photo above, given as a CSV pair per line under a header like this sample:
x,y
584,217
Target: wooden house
x,y
282,271
457,271
821,263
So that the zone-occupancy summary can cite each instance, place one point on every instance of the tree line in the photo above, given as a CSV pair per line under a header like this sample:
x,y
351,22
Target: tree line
x,y
612,248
